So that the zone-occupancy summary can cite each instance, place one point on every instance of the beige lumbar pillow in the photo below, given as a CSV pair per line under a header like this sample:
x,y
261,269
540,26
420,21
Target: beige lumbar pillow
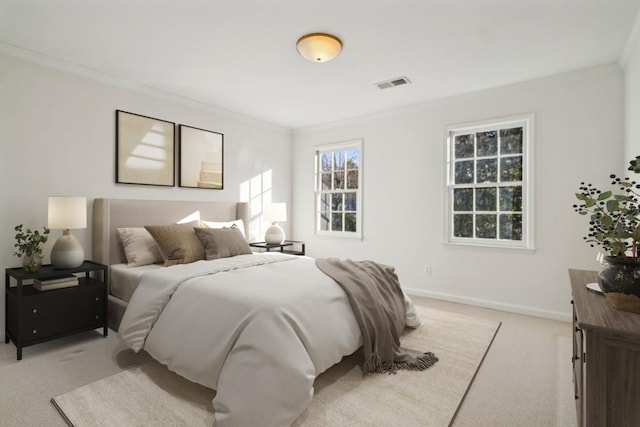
x,y
139,246
222,242
178,243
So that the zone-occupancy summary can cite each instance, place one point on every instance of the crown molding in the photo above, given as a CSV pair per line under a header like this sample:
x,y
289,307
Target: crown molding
x,y
92,74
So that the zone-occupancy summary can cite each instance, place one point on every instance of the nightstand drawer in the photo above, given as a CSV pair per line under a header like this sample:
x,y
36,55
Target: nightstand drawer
x,y
54,302
60,323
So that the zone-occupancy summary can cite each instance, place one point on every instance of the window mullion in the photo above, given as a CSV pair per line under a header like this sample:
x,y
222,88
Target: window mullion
x,y
500,153
341,158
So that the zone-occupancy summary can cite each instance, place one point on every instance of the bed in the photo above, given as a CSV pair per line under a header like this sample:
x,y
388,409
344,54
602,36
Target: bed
x,y
256,327
111,214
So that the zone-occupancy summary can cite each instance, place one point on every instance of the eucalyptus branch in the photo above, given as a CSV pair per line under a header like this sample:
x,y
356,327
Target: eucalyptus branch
x,y
615,222
29,242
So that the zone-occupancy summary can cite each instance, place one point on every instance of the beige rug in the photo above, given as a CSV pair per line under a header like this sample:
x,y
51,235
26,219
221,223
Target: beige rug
x,y
152,395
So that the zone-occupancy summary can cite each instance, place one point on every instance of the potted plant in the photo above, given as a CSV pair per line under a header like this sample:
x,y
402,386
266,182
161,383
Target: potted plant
x,y
29,244
614,225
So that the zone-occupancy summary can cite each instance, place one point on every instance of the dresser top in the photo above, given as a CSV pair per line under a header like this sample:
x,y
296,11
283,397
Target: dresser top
x,y
594,312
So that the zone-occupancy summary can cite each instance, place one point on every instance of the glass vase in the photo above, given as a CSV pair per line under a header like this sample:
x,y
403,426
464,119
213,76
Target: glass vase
x,y
620,283
31,263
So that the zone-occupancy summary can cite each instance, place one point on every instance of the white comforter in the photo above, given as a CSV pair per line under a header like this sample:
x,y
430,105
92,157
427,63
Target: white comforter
x,y
257,328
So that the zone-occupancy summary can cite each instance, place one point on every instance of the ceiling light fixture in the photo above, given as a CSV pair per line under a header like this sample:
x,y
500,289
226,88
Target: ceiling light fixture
x,y
319,47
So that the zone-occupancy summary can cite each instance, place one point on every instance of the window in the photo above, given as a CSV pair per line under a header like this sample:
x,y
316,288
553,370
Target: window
x,y
339,189
489,183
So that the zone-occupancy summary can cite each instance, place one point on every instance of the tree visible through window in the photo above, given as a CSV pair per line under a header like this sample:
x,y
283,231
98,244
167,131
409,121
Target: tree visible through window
x,y
488,184
338,189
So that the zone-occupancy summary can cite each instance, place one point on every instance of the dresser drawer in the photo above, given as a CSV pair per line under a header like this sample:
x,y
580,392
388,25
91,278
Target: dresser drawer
x,y
578,339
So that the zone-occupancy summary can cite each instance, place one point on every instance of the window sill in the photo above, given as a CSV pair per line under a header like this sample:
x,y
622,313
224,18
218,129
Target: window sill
x,y
351,236
490,246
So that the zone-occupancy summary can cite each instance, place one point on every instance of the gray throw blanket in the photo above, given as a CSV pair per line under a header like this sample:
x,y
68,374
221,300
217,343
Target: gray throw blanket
x,y
377,302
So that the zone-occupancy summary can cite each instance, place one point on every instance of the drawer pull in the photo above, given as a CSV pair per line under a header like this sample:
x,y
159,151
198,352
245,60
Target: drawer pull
x,y
35,331
97,298
34,311
97,317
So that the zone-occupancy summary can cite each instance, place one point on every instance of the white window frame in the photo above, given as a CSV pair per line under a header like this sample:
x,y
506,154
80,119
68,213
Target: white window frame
x,y
339,146
527,122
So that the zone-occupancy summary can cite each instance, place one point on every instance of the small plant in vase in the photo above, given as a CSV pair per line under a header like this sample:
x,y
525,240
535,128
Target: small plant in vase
x,y
614,225
29,247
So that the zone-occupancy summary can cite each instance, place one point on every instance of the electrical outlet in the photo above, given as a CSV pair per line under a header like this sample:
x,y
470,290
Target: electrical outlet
x,y
427,269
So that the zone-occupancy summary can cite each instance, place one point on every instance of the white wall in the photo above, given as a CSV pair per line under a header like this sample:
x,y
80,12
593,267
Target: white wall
x,y
632,96
578,136
57,136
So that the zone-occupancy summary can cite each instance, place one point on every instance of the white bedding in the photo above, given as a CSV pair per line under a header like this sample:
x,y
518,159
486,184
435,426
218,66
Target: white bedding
x,y
257,328
124,279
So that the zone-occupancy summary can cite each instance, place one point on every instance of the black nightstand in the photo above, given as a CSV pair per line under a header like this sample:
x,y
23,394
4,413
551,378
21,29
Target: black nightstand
x,y
291,247
33,317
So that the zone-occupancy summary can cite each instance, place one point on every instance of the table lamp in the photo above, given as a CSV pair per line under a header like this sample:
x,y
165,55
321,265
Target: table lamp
x,y
66,213
275,212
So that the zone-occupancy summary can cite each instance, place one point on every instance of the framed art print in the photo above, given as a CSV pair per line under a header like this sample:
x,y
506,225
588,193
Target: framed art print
x,y
145,150
201,158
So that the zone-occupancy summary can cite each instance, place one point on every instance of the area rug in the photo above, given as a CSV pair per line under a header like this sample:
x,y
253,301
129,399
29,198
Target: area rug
x,y
150,394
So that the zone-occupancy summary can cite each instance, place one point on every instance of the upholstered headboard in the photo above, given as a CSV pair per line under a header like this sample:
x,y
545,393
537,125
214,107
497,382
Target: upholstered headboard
x,y
111,214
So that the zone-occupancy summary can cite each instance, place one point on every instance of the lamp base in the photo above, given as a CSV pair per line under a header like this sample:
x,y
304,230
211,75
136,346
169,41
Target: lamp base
x,y
274,235
67,252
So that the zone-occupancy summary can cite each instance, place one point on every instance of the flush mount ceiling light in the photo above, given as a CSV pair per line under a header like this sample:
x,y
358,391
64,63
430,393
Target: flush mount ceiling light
x,y
319,47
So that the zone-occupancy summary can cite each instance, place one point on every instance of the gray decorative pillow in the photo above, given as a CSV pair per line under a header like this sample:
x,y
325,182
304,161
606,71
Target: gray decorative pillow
x,y
222,242
177,242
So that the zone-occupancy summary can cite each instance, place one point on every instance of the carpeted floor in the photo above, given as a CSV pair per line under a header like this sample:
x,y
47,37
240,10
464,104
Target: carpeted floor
x,y
343,397
525,379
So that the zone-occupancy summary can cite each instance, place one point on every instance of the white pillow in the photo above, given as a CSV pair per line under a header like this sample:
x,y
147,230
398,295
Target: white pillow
x,y
226,224
412,320
139,247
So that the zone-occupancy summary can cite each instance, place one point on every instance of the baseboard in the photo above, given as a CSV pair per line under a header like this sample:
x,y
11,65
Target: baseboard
x,y
511,308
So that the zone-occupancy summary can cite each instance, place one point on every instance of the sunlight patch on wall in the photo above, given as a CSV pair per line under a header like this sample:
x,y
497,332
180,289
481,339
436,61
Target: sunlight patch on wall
x,y
257,191
195,216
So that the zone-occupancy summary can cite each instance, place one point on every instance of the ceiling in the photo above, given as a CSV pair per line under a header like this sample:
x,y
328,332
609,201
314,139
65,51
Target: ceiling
x,y
240,56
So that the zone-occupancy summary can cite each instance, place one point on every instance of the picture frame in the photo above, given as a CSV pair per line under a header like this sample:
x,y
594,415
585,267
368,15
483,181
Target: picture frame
x,y
145,150
201,162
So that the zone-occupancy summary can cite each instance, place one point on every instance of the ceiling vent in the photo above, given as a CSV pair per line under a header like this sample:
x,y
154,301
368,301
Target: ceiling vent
x,y
398,81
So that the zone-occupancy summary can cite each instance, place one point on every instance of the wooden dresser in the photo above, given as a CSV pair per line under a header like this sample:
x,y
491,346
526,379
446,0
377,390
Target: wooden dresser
x,y
606,358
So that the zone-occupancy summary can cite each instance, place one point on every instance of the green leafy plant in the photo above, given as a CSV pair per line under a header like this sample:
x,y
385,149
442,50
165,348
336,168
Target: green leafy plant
x,y
29,242
614,215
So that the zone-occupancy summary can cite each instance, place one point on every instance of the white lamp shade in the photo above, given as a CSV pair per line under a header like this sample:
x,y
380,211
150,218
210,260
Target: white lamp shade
x,y
67,212
319,47
275,212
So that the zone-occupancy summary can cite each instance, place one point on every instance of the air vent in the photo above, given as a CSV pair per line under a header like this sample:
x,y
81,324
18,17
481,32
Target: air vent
x,y
398,81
